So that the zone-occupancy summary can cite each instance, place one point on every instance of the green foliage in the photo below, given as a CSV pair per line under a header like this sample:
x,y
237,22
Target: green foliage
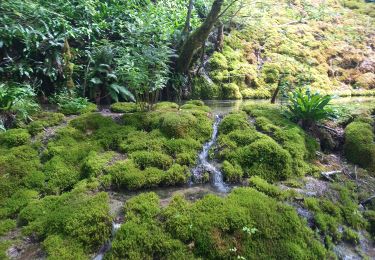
x,y
95,163
14,137
16,103
69,104
124,107
75,215
16,202
351,236
165,105
230,91
6,225
359,147
91,122
308,108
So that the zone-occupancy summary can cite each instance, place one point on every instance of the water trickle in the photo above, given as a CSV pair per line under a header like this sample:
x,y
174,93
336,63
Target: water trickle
x,y
107,246
204,165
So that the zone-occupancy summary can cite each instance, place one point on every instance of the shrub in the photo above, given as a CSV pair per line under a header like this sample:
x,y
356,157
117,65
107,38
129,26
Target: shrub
x,y
359,144
6,225
124,107
267,159
144,159
235,121
14,137
308,108
232,173
69,104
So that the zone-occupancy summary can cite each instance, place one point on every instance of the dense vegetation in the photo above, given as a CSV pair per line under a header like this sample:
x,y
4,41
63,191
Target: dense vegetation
x,y
101,154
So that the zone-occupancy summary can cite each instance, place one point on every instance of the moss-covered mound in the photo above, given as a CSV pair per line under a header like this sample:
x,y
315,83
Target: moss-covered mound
x,y
124,107
359,144
264,143
247,224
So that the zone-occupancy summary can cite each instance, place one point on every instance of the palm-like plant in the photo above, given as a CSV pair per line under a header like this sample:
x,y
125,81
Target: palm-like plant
x,y
308,108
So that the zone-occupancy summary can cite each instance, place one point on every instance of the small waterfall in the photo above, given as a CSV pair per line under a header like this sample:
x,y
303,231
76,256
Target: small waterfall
x,y
204,165
107,246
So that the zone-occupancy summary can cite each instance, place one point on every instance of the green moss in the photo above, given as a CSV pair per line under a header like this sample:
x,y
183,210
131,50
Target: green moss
x,y
95,163
359,144
204,88
60,176
6,225
265,187
267,159
111,137
350,236
260,93
14,137
232,173
176,175
91,122
230,91
63,248
235,121
72,216
370,217
21,198
165,105
43,120
4,245
73,109
144,159
141,140
195,107
218,62
124,107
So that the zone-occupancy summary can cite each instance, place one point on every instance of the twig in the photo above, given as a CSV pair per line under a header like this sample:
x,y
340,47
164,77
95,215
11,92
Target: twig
x,y
328,174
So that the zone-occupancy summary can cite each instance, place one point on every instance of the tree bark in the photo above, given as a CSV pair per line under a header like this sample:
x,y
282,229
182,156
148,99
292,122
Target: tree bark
x,y
196,39
188,18
220,38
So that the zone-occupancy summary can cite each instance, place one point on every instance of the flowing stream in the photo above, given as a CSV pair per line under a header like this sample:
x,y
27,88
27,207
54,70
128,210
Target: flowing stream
x,y
107,246
205,165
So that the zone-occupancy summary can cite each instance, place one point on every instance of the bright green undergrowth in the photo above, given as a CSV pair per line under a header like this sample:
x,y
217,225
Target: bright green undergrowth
x,y
246,224
260,141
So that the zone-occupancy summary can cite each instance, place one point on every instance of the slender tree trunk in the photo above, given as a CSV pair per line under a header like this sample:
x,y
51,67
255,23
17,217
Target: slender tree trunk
x,y
188,18
220,38
195,40
274,96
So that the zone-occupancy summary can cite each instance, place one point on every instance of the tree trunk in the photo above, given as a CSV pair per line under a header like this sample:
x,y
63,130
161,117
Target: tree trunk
x,y
195,40
274,96
188,18
220,38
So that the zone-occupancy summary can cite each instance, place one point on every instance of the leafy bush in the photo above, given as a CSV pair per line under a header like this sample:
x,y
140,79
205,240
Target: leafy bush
x,y
69,104
308,108
16,103
14,137
359,144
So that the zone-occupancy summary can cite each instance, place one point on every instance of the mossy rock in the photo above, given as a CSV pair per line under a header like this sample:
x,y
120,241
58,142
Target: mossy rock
x,y
263,186
14,137
232,173
218,62
74,110
165,105
244,220
91,122
359,144
43,120
235,121
124,107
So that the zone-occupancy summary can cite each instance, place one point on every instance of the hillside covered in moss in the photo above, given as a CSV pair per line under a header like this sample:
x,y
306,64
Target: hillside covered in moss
x,y
328,45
